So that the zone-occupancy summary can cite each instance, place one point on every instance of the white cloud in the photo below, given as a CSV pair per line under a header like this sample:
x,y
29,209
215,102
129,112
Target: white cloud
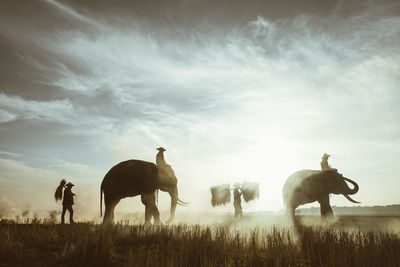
x,y
70,12
6,116
56,110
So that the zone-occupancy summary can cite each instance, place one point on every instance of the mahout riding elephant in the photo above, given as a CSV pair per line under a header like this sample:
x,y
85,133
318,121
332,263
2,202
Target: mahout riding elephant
x,y
136,177
307,186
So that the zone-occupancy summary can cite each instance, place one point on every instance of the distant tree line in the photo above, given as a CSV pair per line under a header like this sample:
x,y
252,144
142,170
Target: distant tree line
x,y
359,210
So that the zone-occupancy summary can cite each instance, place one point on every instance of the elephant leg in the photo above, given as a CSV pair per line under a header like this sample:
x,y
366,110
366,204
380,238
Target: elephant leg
x,y
156,214
326,209
151,209
109,209
330,211
290,211
147,213
114,204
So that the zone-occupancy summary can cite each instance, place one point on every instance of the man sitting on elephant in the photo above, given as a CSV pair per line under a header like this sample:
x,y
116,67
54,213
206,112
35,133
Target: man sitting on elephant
x,y
325,165
160,161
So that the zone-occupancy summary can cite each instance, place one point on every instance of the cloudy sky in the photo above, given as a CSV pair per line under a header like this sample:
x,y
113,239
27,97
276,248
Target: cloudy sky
x,y
234,90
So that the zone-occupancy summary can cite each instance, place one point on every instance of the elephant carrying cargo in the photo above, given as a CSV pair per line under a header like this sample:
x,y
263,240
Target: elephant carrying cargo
x,y
307,186
136,177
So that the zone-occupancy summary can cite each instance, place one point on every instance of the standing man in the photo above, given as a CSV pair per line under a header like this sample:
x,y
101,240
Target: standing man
x,y
237,201
160,161
68,202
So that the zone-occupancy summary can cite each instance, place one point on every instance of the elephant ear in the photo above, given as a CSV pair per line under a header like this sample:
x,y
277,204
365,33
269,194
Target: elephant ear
x,y
330,182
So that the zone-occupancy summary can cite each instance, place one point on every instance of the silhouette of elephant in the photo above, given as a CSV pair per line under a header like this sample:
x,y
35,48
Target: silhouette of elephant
x,y
136,177
307,186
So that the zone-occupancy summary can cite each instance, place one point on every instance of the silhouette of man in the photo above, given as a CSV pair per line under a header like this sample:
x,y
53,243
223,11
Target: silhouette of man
x,y
237,201
324,163
160,161
68,202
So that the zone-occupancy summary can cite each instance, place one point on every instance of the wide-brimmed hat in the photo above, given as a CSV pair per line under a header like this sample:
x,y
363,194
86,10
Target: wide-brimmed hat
x,y
161,149
326,155
69,184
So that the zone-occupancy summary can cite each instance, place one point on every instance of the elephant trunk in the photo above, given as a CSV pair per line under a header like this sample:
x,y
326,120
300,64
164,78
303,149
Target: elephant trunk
x,y
351,191
354,190
174,201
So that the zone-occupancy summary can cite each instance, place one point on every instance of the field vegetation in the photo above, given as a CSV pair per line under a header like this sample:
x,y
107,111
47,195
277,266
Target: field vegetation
x,y
43,243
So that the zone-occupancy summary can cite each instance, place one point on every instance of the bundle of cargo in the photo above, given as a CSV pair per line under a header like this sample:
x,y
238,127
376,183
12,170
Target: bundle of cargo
x,y
221,195
250,191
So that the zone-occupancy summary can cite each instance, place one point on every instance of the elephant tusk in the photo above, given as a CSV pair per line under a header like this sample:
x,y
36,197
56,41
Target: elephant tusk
x,y
182,203
350,199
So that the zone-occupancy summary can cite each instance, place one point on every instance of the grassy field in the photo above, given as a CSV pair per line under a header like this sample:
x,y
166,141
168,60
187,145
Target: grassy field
x,y
370,241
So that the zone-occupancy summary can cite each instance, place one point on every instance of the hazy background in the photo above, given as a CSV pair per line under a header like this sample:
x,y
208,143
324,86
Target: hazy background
x,y
234,90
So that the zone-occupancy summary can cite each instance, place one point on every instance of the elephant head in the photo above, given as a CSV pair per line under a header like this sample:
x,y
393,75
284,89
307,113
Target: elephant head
x,y
336,184
167,182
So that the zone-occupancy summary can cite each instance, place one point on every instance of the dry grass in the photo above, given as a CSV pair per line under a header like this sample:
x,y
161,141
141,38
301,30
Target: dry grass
x,y
86,244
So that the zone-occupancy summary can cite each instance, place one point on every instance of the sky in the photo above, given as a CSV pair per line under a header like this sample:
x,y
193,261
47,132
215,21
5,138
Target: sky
x,y
234,90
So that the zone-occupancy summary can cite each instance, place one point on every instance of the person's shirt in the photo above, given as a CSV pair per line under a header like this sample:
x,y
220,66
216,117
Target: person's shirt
x,y
325,165
236,195
68,197
160,161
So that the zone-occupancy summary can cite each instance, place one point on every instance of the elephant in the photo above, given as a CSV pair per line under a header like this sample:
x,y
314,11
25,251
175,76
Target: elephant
x,y
307,186
136,177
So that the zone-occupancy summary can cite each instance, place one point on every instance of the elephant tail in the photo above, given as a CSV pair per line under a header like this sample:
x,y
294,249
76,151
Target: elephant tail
x,y
101,201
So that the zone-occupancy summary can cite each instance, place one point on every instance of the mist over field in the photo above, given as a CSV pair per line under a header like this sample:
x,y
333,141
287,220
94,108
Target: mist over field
x,y
235,91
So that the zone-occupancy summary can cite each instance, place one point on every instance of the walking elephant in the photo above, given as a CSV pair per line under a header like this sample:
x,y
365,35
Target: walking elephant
x,y
307,186
136,177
